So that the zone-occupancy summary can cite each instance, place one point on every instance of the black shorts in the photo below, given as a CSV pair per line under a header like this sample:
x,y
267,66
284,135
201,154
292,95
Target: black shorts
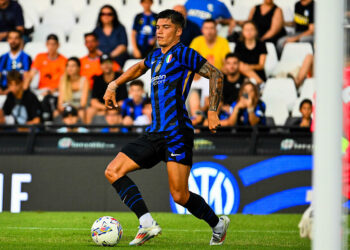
x,y
151,148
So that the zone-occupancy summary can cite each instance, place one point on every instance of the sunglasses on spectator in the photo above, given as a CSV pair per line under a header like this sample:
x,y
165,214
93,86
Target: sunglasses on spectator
x,y
106,14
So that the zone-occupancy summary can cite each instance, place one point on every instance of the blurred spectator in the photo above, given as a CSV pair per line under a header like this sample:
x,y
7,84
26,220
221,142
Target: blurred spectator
x,y
303,23
191,29
248,109
100,86
50,65
146,117
143,36
305,109
70,118
252,53
200,10
111,34
233,79
73,88
90,64
14,59
132,107
11,18
211,46
21,106
268,19
113,117
306,70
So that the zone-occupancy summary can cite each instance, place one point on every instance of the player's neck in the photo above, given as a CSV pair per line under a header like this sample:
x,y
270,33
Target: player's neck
x,y
14,52
167,48
93,54
52,56
233,77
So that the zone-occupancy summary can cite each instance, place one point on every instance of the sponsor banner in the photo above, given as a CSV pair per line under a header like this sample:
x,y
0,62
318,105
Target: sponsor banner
x,y
230,184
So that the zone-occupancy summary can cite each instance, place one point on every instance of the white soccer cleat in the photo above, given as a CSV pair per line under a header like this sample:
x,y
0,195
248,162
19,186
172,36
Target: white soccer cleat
x,y
145,234
219,238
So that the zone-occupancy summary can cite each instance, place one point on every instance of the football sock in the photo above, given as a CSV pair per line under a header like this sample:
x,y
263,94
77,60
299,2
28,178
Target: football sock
x,y
199,208
146,220
130,195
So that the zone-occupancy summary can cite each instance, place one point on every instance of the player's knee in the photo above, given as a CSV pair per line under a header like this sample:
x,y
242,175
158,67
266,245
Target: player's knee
x,y
180,197
114,171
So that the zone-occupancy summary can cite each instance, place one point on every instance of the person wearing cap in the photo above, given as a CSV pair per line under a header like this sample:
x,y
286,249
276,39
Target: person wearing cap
x,y
90,64
70,117
99,87
51,66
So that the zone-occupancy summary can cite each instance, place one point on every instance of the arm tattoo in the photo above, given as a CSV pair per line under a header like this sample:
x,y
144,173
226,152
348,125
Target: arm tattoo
x,y
215,84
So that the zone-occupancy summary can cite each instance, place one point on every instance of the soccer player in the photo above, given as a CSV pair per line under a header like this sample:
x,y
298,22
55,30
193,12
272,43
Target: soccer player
x,y
170,136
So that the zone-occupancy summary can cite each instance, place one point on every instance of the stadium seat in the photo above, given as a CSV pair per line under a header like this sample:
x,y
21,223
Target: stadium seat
x,y
63,18
4,47
42,31
292,57
88,17
77,34
40,6
278,112
271,59
76,6
146,78
307,89
2,100
34,48
115,3
240,11
30,15
287,7
73,49
232,46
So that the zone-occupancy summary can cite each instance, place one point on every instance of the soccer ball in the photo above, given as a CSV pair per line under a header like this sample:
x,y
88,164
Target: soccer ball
x,y
106,231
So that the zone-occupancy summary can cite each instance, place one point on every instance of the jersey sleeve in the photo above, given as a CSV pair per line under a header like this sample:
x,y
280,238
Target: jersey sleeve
x,y
36,63
135,25
223,11
190,59
260,110
147,60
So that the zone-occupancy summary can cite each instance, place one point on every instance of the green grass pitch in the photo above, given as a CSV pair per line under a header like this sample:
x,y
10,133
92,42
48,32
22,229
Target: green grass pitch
x,y
71,230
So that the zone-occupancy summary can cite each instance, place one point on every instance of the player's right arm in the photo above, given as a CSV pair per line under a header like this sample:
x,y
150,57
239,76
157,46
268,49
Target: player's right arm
x,y
132,73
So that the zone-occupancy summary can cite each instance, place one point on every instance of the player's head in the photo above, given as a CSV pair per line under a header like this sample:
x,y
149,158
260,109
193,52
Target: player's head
x,y
209,30
14,39
181,9
146,4
305,108
52,43
231,63
14,81
249,31
91,41
106,64
136,90
113,117
169,27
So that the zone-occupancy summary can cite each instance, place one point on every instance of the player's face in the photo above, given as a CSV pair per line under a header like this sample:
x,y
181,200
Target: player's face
x,y
91,43
306,110
52,46
249,31
14,40
113,117
72,68
136,92
106,15
231,65
209,31
14,87
167,32
107,67
268,1
146,4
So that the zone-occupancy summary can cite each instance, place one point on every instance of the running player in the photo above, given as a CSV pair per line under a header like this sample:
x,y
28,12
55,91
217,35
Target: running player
x,y
170,136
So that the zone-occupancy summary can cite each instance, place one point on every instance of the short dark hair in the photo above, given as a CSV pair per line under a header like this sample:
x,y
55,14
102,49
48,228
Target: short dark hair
x,y
308,101
52,37
74,59
16,31
232,55
176,17
209,20
14,75
147,101
145,0
91,34
137,83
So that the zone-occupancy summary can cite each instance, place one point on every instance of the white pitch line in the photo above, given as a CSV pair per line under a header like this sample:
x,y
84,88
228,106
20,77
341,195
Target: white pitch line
x,y
166,229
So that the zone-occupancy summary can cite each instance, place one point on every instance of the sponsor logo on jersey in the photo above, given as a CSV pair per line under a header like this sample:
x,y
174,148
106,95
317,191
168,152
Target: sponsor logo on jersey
x,y
199,13
158,80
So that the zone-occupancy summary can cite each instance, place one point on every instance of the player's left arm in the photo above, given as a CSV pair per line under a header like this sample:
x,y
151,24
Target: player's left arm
x,y
216,79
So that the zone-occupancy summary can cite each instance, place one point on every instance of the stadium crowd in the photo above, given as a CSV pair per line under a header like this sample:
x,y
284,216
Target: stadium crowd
x,y
262,85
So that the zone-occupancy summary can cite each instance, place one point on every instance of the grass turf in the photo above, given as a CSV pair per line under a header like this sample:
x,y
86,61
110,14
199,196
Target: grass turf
x,y
71,230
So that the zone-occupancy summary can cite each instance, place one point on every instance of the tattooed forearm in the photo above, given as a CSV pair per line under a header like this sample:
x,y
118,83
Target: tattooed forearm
x,y
216,79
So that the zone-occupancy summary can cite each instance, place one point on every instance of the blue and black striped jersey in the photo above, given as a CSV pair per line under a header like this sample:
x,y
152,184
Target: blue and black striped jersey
x,y
172,74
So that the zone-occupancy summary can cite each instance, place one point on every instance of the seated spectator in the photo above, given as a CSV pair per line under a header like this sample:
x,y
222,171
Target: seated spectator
x,y
200,10
70,118
113,117
305,108
21,106
303,23
233,79
305,71
146,117
211,46
143,35
97,104
15,59
50,65
111,34
248,109
11,18
268,19
252,53
73,88
191,30
132,107
90,64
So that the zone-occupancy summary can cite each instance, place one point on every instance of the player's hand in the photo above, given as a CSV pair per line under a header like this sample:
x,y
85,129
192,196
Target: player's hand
x,y
213,121
110,101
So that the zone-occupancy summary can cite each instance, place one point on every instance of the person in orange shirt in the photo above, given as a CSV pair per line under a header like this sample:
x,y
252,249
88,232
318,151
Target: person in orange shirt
x,y
51,66
90,64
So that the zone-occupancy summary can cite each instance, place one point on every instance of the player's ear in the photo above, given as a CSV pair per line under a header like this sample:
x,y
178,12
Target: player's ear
x,y
178,31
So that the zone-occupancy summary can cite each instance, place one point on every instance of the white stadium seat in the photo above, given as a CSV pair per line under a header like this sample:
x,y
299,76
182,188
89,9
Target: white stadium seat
x,y
73,49
34,48
42,31
146,78
278,112
76,6
271,59
232,46
63,18
40,6
88,17
30,15
307,89
4,48
77,35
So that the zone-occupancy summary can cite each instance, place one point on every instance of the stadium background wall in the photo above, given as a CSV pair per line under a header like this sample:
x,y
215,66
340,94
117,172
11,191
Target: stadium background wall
x,y
261,184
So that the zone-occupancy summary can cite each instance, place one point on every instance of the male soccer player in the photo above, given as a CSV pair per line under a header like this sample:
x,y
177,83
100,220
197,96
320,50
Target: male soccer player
x,y
170,136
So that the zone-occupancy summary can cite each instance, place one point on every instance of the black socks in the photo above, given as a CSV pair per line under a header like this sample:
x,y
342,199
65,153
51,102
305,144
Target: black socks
x,y
130,195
